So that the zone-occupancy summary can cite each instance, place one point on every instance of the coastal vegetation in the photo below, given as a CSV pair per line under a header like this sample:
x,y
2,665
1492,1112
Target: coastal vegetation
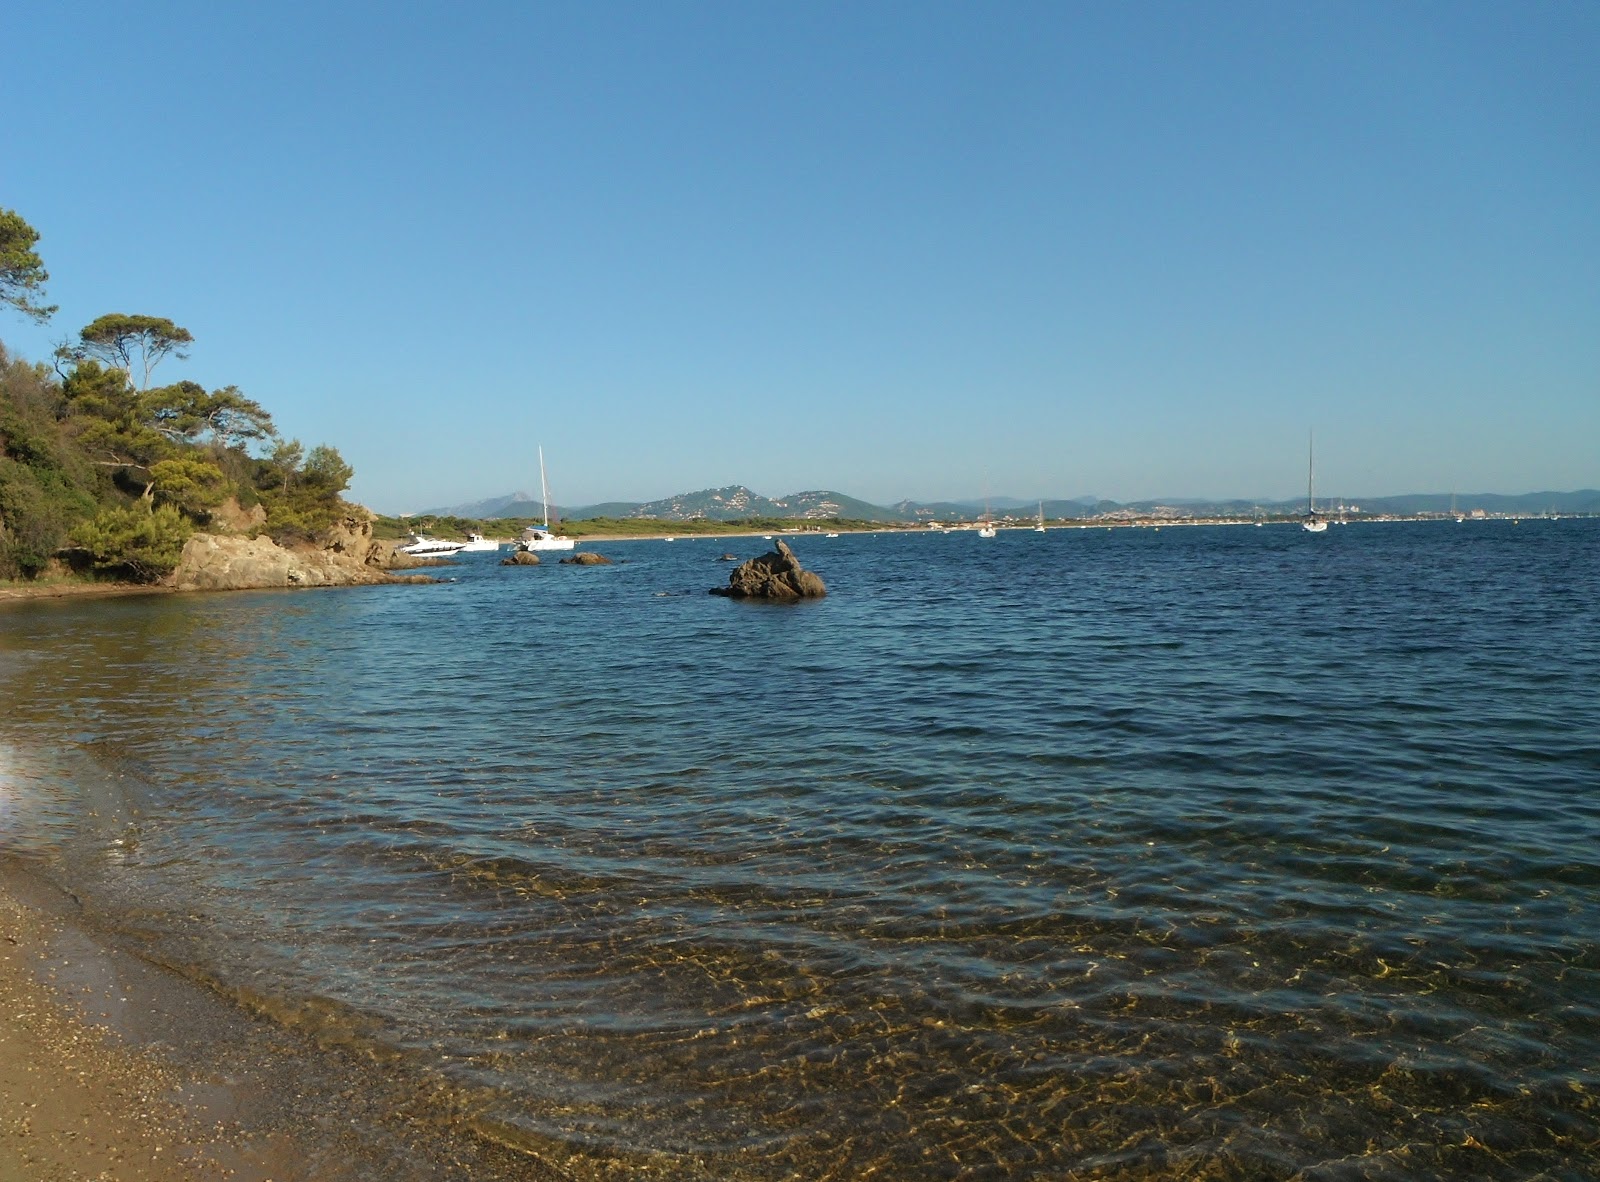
x,y
104,474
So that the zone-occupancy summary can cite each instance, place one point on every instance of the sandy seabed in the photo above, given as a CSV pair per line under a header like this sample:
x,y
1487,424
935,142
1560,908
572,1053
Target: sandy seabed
x,y
114,1069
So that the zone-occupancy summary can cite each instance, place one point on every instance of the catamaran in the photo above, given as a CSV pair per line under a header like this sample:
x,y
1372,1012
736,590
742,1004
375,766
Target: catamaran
x,y
537,537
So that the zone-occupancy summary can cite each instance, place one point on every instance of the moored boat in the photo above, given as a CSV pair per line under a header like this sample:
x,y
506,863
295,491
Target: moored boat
x,y
422,546
538,537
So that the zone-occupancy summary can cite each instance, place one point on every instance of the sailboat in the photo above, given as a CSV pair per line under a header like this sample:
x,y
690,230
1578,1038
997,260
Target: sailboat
x,y
539,537
1312,524
1039,529
986,523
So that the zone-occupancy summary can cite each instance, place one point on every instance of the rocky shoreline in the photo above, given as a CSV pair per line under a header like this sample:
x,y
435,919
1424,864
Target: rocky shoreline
x,y
349,556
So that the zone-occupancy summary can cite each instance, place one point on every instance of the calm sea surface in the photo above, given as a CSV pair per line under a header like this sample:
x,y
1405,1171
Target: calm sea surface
x,y
1196,852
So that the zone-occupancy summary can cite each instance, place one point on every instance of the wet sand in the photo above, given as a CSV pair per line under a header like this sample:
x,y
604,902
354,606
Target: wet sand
x,y
65,590
115,1069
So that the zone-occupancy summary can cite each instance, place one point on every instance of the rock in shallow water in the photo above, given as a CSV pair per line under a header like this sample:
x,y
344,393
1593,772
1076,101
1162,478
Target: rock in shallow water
x,y
777,575
587,558
521,558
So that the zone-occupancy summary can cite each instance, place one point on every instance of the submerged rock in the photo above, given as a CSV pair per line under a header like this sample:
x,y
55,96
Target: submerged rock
x,y
729,558
521,558
587,558
777,575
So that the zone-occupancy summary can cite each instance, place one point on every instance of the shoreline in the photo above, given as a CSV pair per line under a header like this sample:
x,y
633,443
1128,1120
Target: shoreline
x,y
113,1067
80,590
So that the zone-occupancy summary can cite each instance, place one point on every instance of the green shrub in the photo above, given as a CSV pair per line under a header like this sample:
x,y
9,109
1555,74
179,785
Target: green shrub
x,y
192,485
36,511
135,542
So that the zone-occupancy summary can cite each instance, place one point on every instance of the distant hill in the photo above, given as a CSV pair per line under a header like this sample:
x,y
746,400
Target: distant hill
x,y
735,501
493,507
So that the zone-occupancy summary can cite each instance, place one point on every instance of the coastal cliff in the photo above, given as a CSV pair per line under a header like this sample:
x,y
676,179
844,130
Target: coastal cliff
x,y
348,556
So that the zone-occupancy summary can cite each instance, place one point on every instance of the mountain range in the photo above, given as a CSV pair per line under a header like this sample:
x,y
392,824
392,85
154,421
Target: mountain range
x,y
736,502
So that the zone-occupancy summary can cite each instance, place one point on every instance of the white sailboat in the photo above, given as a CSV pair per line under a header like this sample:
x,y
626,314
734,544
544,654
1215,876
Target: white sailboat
x,y
1039,529
535,537
986,523
1312,524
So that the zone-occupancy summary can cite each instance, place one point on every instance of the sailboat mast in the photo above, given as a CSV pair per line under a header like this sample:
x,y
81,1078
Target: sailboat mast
x,y
544,489
1311,472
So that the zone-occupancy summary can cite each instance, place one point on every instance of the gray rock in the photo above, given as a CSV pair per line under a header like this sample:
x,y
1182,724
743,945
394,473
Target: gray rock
x,y
777,575
521,558
587,558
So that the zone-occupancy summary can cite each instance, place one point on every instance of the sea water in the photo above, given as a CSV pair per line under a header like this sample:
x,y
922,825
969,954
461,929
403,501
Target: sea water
x,y
1186,852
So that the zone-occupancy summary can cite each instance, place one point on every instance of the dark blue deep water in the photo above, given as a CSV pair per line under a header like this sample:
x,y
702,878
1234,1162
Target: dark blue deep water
x,y
1219,852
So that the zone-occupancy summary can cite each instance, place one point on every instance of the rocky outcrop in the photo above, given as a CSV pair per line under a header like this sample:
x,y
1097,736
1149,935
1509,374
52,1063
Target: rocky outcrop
x,y
351,536
587,558
231,517
777,575
216,563
521,558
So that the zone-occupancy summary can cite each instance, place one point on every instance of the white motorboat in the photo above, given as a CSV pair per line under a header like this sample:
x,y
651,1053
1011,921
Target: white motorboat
x,y
538,537
422,546
1312,524
478,544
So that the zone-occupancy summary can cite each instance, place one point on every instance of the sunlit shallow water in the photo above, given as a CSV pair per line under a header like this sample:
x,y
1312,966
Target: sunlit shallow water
x,y
1205,852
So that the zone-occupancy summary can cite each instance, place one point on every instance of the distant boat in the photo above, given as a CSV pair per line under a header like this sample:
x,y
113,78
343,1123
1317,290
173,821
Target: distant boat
x,y
830,535
422,546
478,544
537,537
986,529
1312,524
1039,529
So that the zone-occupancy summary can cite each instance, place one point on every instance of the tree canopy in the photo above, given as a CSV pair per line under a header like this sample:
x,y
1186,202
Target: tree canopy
x,y
22,273
101,471
119,339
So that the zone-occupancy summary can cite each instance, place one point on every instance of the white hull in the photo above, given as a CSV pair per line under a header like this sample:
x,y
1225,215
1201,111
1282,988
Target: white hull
x,y
478,544
538,540
420,547
986,532
1314,527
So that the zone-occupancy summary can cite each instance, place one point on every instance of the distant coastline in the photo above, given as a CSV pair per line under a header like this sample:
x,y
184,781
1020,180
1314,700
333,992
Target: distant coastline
x,y
738,504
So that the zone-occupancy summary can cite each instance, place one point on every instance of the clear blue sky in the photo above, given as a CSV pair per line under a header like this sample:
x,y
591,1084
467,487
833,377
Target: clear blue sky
x,y
913,250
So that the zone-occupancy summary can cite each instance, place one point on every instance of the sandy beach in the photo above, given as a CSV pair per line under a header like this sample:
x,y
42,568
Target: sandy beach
x,y
113,1069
